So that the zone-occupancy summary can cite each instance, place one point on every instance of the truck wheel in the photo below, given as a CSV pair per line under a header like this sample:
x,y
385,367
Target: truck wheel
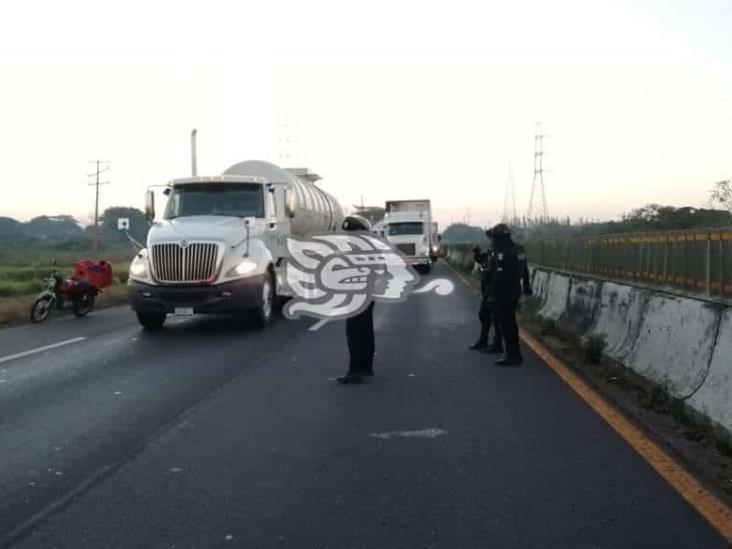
x,y
151,321
264,312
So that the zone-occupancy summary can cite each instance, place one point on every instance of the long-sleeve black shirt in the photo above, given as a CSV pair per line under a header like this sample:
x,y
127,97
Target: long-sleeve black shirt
x,y
483,259
509,270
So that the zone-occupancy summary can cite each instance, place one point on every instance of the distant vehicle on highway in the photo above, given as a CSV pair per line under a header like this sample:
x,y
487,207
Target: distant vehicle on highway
x,y
408,225
221,246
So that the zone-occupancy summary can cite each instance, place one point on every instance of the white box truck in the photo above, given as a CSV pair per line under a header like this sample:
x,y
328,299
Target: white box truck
x,y
221,245
408,226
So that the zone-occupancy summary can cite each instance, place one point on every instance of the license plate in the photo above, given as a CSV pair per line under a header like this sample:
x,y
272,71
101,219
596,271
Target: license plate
x,y
184,311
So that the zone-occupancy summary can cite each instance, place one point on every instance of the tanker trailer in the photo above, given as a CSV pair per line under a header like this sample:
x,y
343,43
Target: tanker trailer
x,y
221,245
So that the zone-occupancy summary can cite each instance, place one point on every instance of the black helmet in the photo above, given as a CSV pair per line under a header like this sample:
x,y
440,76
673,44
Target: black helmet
x,y
355,223
500,231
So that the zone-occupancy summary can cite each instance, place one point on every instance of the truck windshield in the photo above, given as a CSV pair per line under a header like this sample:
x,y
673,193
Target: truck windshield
x,y
413,227
226,199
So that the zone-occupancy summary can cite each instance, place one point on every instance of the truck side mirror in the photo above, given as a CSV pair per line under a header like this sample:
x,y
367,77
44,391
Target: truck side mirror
x,y
150,205
290,205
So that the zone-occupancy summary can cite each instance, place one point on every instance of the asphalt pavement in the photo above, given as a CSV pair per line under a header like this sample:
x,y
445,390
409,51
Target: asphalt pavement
x,y
213,434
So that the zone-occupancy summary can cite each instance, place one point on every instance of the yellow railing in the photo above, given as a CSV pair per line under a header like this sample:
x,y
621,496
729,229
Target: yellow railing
x,y
697,261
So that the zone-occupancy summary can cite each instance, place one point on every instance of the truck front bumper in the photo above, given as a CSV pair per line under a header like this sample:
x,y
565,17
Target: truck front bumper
x,y
230,297
418,260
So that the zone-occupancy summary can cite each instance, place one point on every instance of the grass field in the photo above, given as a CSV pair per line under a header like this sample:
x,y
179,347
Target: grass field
x,y
20,281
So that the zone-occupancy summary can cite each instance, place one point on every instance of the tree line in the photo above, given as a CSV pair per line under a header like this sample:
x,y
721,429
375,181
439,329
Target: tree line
x,y
64,232
717,213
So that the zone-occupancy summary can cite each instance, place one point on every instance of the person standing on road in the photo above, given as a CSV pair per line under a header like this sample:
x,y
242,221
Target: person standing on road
x,y
509,275
485,312
359,328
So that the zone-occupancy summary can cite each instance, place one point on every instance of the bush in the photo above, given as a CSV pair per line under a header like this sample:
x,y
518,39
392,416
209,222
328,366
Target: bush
x,y
592,349
547,327
14,288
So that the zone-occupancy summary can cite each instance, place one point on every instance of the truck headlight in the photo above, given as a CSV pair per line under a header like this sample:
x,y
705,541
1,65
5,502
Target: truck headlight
x,y
138,267
245,267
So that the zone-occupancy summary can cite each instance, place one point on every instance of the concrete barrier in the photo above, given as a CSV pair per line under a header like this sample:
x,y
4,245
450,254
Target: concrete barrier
x,y
714,397
675,343
556,296
619,318
582,307
539,284
682,344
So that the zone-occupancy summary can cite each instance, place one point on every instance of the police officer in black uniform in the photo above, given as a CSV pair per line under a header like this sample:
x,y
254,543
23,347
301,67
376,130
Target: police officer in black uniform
x,y
359,328
509,275
485,313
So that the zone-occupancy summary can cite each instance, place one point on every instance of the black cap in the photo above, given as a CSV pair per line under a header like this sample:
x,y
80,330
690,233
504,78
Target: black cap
x,y
355,223
499,231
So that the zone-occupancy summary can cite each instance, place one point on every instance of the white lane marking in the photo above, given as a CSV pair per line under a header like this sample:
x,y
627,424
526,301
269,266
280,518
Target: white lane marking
x,y
441,286
41,349
433,432
319,324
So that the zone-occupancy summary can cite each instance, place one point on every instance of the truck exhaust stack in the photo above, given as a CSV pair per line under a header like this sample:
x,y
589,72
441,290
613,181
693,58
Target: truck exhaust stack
x,y
194,168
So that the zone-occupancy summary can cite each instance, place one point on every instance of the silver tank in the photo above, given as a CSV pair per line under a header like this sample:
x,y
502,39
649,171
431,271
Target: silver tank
x,y
316,211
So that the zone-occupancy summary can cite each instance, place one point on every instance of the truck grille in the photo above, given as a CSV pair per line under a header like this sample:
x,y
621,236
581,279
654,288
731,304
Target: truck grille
x,y
406,249
195,262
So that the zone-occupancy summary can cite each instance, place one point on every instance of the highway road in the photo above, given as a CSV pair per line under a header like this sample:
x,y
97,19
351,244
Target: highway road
x,y
213,434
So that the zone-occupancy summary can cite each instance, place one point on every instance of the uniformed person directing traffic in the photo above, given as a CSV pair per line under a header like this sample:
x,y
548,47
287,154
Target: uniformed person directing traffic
x,y
359,328
509,275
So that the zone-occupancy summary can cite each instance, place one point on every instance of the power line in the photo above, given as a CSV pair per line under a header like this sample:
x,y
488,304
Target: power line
x,y
101,167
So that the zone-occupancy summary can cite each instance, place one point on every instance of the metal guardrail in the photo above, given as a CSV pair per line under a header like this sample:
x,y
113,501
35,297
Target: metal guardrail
x,y
696,261
690,262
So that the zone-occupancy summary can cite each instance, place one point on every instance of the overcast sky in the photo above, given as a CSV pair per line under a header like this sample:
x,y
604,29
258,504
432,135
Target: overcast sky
x,y
384,99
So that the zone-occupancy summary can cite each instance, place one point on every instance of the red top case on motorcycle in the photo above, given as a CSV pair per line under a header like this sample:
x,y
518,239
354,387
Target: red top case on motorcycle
x,y
98,273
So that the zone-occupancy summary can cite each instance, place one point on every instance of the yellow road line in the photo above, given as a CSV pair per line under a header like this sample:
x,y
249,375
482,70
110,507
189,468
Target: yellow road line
x,y
706,503
711,508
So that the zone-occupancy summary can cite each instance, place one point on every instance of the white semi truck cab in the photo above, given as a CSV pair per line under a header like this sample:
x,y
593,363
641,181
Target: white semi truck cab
x,y
221,245
408,226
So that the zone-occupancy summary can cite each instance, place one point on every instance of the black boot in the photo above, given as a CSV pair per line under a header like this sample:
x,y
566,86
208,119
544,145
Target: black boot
x,y
478,346
349,378
494,348
510,360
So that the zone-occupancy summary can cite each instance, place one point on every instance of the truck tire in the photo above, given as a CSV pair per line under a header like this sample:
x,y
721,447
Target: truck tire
x,y
151,321
264,312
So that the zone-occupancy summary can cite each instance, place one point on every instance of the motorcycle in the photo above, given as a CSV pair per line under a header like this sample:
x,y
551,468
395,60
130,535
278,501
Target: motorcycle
x,y
60,293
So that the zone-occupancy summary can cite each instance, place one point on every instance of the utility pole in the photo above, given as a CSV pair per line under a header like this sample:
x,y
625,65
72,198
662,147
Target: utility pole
x,y
101,167
538,175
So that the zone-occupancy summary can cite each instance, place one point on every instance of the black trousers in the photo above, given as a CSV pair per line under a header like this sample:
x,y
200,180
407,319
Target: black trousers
x,y
505,314
486,316
360,337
